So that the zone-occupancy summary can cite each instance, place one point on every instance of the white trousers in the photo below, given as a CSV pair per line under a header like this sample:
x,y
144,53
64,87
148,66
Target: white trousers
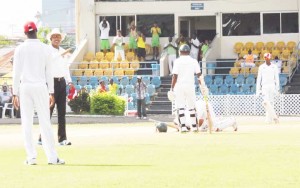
x,y
171,59
268,92
122,54
37,96
185,96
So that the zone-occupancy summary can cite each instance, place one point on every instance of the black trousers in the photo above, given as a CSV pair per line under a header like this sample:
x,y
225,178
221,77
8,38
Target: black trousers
x,y
141,107
60,95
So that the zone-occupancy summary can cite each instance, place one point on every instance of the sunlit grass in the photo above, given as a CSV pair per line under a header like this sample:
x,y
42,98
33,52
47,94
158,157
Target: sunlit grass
x,y
134,155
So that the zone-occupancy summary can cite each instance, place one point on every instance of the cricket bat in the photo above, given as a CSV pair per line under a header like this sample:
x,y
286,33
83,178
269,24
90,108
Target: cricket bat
x,y
205,98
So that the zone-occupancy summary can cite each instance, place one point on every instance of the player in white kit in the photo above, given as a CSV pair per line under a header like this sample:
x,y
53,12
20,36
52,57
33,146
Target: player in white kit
x,y
32,84
267,84
185,67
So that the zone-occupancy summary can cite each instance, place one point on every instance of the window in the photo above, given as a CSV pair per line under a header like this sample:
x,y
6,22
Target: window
x,y
289,22
165,22
241,24
271,23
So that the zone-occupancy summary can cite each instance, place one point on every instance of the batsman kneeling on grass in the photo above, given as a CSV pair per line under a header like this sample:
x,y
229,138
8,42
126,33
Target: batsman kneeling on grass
x,y
218,123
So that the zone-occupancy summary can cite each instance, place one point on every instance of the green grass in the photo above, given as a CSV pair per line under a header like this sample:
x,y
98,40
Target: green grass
x,y
132,155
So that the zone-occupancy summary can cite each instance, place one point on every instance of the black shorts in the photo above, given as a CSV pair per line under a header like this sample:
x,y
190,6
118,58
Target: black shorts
x,y
141,52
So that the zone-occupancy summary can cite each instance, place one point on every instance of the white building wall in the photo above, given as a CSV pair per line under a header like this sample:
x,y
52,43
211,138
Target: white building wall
x,y
183,8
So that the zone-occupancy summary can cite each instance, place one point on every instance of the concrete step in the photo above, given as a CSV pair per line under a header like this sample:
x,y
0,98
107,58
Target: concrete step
x,y
161,102
165,89
160,98
160,107
162,94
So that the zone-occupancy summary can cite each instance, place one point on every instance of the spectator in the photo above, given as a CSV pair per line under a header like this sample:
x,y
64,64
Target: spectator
x,y
119,49
155,31
102,87
140,89
204,49
171,49
113,87
181,40
249,59
133,39
72,92
141,44
195,45
5,97
277,62
104,29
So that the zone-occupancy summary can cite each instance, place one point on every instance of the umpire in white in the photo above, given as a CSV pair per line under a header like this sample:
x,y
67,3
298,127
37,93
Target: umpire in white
x,y
183,85
62,77
32,85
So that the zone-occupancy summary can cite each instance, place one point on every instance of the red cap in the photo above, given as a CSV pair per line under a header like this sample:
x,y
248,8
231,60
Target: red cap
x,y
29,26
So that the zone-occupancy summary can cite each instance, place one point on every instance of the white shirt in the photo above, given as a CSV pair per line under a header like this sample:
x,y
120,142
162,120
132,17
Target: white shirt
x,y
60,64
119,42
278,63
5,96
32,64
267,75
196,43
186,67
104,31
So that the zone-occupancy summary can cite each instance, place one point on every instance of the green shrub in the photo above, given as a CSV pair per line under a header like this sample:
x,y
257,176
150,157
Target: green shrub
x,y
81,103
107,104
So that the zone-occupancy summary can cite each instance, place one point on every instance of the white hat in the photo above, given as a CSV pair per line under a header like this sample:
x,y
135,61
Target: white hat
x,y
267,55
56,31
139,77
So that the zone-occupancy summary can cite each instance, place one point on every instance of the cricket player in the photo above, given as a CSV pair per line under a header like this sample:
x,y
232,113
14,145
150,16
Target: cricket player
x,y
183,87
267,84
32,88
219,123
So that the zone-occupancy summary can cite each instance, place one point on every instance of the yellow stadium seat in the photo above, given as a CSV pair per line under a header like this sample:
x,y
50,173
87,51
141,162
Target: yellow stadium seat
x,y
245,71
104,64
286,69
259,46
88,72
255,52
243,53
109,56
135,65
269,46
124,65
98,72
148,49
129,72
119,73
275,52
77,73
285,55
129,56
254,71
234,71
83,65
249,46
108,72
88,56
280,45
94,64
291,45
238,46
114,64
99,56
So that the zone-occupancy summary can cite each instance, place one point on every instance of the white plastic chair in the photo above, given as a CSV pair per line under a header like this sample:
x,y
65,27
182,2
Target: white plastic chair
x,y
8,106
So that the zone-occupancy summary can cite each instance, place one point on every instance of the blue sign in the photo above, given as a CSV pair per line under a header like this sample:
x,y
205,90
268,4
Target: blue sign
x,y
197,6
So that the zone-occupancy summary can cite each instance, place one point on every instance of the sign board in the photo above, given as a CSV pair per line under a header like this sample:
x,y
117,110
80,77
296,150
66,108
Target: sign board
x,y
197,6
